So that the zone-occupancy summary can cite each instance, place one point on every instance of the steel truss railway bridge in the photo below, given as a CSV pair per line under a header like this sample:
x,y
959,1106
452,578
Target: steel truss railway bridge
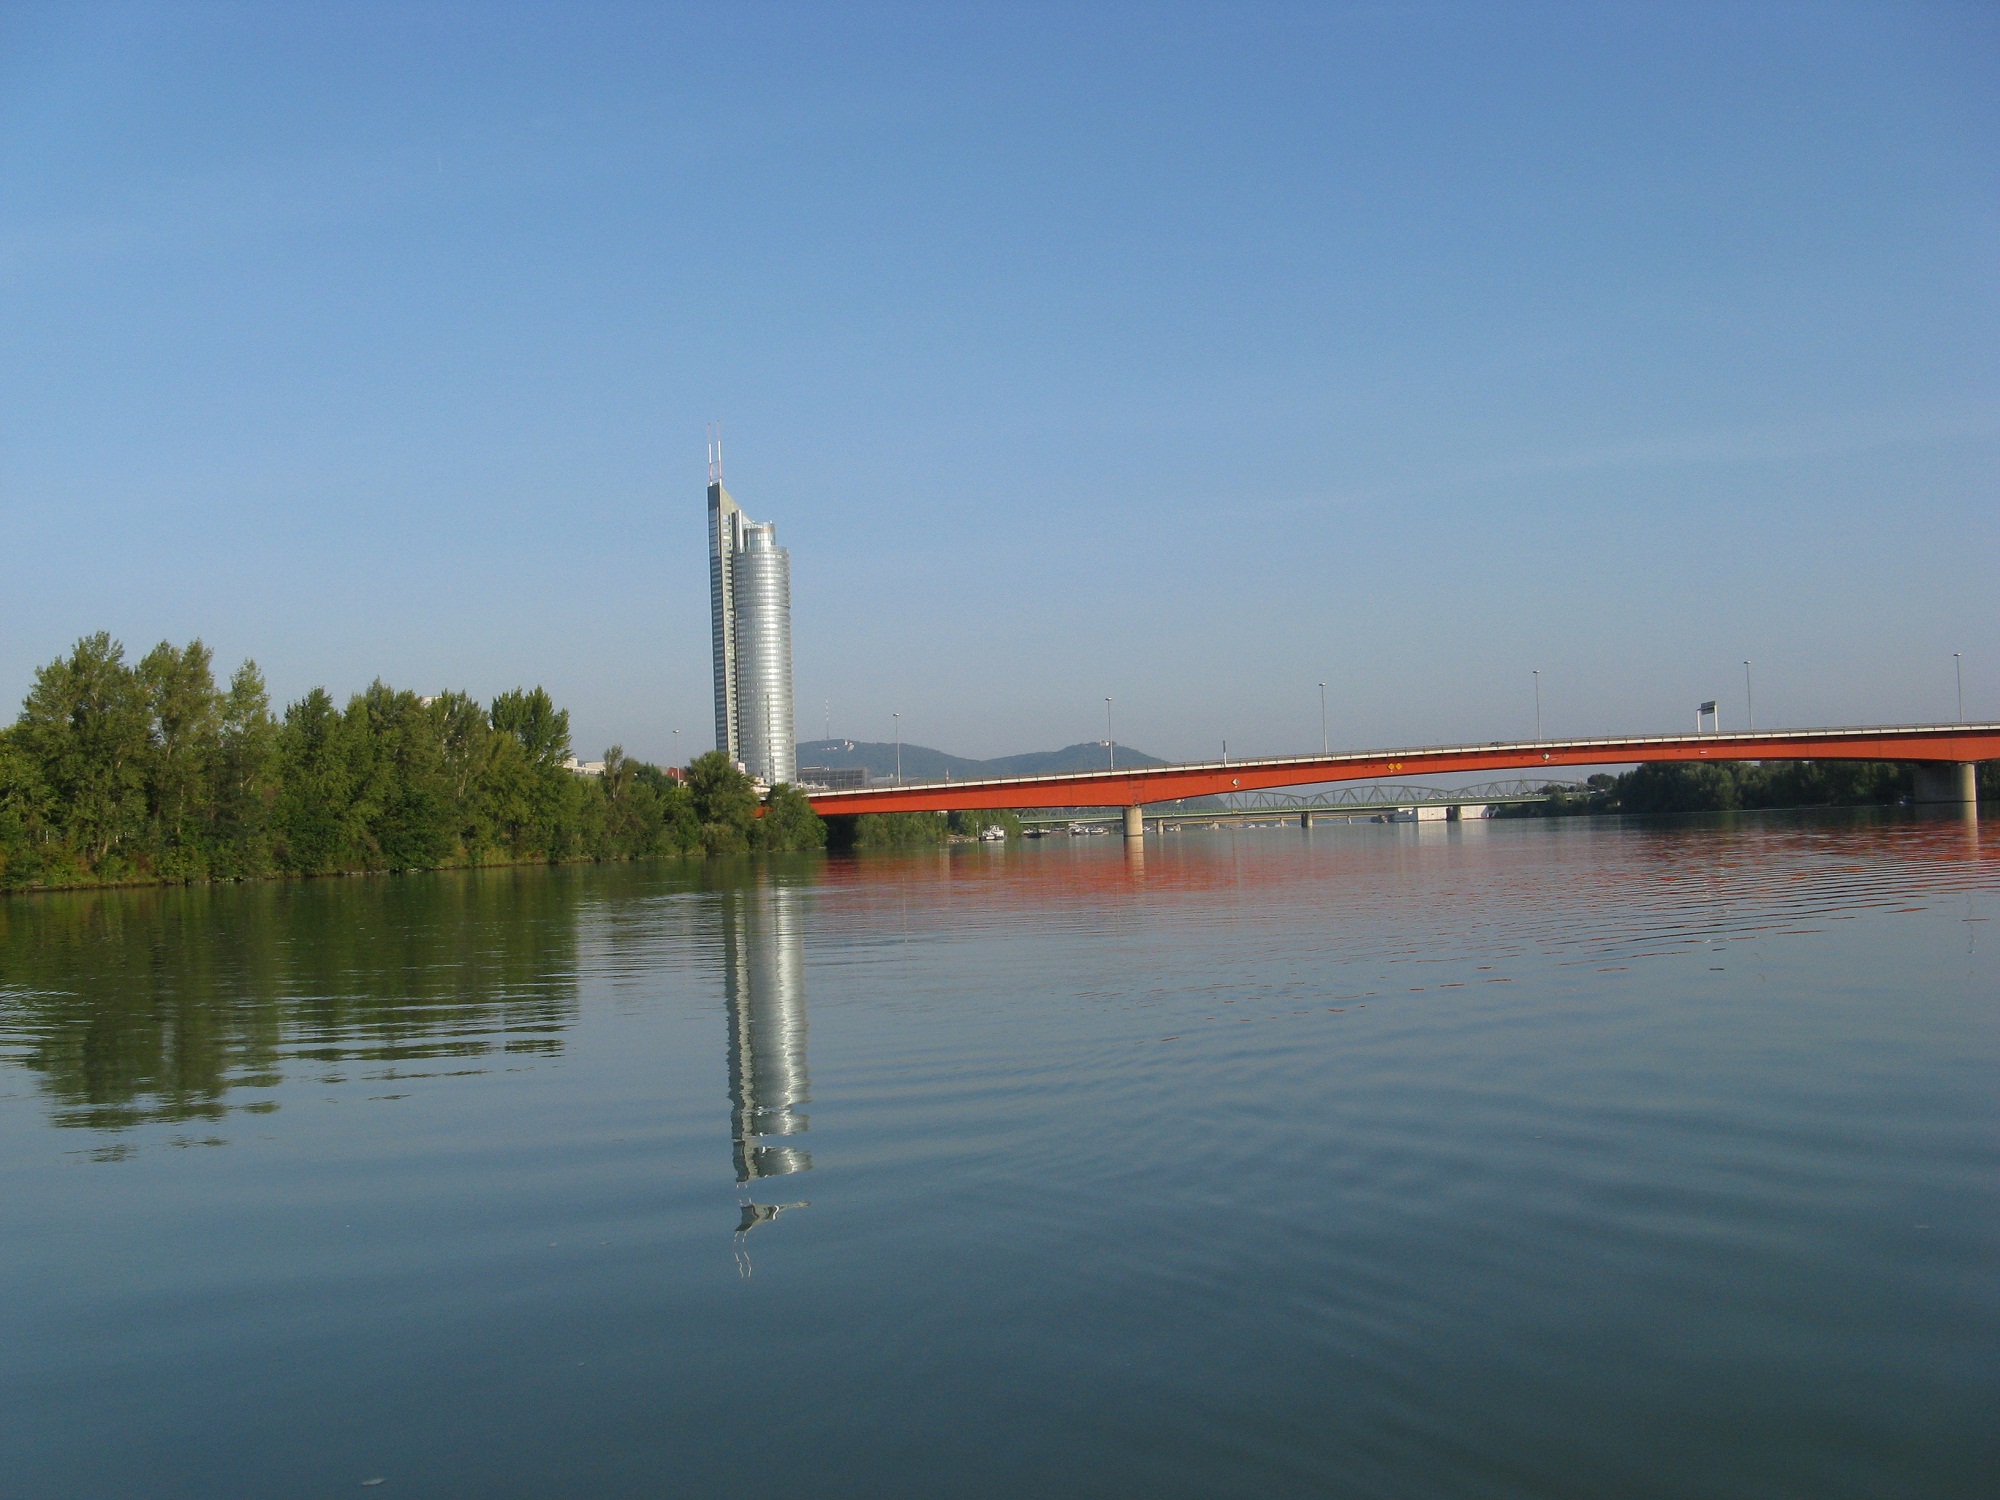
x,y
1945,757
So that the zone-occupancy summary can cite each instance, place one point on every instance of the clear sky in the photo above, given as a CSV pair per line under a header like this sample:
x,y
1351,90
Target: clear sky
x,y
1190,356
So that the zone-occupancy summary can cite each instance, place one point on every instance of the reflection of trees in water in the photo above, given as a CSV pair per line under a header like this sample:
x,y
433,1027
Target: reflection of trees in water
x,y
156,1004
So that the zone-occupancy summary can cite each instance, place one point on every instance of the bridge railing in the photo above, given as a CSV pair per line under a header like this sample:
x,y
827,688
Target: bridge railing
x,y
1373,798
1383,794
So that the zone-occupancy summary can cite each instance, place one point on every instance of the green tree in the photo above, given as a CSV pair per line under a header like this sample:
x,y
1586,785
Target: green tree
x,y
725,803
245,777
85,731
467,744
114,771
629,823
789,822
899,830
408,794
533,719
507,798
315,821
680,828
1825,783
634,809
24,814
185,734
542,800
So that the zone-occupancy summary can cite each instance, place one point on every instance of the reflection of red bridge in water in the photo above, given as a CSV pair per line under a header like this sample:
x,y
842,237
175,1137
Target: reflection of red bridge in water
x,y
1944,755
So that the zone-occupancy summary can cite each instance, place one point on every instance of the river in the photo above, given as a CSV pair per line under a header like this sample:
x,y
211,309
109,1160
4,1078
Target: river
x,y
1501,1159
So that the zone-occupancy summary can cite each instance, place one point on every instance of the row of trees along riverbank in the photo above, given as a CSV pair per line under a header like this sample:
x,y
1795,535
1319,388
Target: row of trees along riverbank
x,y
916,830
118,772
1729,786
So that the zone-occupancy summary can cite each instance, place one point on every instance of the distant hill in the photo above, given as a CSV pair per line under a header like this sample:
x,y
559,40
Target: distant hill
x,y
921,763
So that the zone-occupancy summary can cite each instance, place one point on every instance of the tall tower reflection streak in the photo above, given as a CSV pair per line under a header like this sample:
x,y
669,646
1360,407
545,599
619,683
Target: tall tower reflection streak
x,y
763,947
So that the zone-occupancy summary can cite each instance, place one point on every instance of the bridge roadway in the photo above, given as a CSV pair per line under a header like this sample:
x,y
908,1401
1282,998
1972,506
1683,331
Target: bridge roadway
x,y
1944,754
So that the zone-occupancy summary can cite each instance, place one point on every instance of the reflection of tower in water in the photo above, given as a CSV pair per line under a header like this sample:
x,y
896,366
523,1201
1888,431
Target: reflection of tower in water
x,y
763,950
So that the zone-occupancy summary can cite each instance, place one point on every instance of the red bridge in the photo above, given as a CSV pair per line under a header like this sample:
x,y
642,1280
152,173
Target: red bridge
x,y
1943,753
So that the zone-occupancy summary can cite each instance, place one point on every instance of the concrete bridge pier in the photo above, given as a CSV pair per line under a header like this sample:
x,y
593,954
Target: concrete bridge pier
x,y
1306,820
1135,822
1947,784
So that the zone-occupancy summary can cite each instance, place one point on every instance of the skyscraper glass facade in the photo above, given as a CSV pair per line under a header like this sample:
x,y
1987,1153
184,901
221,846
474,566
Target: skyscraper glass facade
x,y
750,607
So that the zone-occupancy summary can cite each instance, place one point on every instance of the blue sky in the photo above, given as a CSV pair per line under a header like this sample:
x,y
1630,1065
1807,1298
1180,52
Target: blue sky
x,y
1189,356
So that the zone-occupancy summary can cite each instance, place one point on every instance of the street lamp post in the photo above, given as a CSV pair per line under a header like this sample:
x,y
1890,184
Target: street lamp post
x,y
1958,670
1749,698
1538,705
1325,745
677,749
899,747
1110,740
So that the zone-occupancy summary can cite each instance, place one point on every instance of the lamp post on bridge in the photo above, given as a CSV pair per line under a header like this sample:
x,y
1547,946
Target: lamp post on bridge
x,y
1325,745
1958,668
1110,740
899,747
1538,705
1749,698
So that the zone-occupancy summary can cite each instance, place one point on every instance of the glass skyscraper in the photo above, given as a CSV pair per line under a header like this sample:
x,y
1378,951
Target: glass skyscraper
x,y
750,612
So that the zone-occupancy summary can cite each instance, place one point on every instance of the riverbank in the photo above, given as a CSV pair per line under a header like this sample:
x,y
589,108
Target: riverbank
x,y
1740,786
119,774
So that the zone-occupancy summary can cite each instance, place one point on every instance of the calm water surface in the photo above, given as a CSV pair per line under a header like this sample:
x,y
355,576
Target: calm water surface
x,y
1497,1160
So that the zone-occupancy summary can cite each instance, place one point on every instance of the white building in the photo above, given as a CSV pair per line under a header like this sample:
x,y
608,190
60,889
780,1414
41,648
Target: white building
x,y
750,614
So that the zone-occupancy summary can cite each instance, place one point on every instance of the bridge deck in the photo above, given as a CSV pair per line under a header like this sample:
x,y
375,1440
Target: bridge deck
x,y
1936,743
